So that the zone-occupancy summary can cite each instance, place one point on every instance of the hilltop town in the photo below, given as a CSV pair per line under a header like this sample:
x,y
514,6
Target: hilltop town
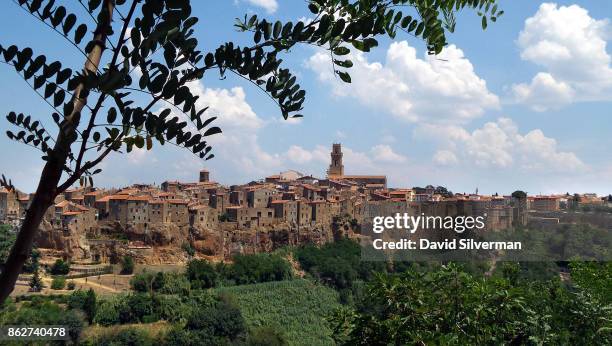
x,y
166,223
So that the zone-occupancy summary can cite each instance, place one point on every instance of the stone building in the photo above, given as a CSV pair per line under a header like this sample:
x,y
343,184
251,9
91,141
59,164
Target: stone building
x,y
545,203
285,210
203,216
178,212
118,208
138,210
157,211
9,205
259,197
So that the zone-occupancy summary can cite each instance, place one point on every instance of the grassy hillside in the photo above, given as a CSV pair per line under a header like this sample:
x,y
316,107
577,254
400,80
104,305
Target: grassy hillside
x,y
297,308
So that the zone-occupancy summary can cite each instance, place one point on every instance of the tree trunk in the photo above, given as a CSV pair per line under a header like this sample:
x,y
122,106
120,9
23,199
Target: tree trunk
x,y
47,188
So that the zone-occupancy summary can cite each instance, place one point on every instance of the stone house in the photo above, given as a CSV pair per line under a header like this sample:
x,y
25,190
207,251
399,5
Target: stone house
x,y
203,216
138,210
177,212
118,208
157,211
285,210
304,213
9,205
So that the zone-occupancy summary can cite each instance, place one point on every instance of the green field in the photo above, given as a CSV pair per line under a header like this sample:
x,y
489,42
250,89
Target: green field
x,y
297,308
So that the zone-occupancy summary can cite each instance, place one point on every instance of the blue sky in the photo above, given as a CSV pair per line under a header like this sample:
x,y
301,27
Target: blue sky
x,y
523,105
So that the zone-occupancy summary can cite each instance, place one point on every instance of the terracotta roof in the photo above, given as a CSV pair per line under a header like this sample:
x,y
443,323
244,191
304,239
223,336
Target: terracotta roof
x,y
139,198
279,201
178,201
62,204
103,199
81,208
156,201
118,197
311,187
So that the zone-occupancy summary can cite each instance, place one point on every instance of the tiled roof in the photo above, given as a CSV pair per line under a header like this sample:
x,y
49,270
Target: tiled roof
x,y
139,198
71,213
103,199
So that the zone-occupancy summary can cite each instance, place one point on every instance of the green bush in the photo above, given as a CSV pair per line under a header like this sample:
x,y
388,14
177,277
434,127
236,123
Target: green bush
x,y
127,265
60,267
222,320
36,283
249,269
338,264
266,336
70,285
201,274
58,283
128,336
107,313
450,306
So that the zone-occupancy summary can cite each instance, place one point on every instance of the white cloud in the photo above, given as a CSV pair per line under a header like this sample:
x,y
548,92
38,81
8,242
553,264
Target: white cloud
x,y
384,153
544,92
436,88
141,156
230,106
269,5
500,145
445,158
299,155
571,46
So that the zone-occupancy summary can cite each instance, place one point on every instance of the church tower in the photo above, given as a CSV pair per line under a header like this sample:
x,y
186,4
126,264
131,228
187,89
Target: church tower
x,y
336,168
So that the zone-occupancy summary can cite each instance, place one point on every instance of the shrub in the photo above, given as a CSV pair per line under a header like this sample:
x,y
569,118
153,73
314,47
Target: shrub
x,y
127,265
201,274
188,249
175,283
128,336
338,264
90,305
266,336
71,285
60,267
248,269
221,320
142,282
108,312
36,283
58,283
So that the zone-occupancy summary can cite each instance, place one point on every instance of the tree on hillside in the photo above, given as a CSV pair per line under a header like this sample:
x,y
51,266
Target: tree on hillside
x,y
97,109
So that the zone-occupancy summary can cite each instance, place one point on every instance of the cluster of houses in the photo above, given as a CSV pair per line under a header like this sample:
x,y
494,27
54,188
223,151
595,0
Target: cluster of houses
x,y
289,198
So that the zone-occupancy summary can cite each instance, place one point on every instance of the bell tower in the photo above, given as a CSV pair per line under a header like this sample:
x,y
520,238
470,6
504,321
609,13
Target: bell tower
x,y
336,168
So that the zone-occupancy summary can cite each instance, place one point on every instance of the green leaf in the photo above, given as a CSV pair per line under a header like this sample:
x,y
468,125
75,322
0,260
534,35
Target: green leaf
x,y
80,33
212,131
484,22
341,50
69,23
313,8
344,76
112,115
58,98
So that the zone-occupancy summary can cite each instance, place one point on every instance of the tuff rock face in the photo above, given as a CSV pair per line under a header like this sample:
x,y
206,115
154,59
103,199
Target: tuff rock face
x,y
166,243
